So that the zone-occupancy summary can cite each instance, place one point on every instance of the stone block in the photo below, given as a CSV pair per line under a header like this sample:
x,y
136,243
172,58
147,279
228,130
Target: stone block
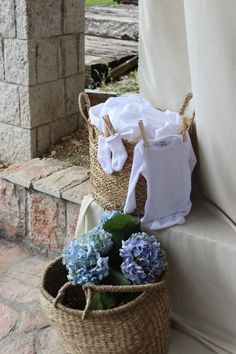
x,y
21,15
67,56
77,193
81,53
32,319
46,60
1,61
10,255
74,85
24,100
21,141
74,16
46,103
18,166
8,318
7,19
60,181
63,127
43,139
50,342
20,61
22,282
38,19
27,173
12,209
72,214
9,104
24,345
46,221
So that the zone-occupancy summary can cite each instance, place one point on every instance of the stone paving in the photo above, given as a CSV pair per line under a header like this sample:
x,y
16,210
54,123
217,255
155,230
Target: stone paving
x,y
23,327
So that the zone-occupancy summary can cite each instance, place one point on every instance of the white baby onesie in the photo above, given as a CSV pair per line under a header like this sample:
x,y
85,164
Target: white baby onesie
x,y
167,165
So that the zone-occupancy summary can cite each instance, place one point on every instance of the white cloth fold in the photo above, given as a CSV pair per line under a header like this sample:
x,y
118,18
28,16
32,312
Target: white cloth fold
x,y
125,113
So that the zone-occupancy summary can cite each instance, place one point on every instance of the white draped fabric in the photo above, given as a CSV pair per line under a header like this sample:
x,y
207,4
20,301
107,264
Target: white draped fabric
x,y
189,45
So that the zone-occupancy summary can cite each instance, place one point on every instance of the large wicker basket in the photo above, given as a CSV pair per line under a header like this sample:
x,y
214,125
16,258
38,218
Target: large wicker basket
x,y
110,190
137,327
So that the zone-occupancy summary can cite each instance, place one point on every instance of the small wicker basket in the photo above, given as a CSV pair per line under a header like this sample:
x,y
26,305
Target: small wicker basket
x,y
139,326
110,190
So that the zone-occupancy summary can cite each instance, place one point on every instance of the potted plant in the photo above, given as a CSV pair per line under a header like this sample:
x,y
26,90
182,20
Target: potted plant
x,y
116,298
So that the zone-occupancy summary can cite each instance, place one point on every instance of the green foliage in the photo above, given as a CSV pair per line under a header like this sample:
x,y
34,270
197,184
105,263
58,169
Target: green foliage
x,y
121,226
116,277
121,222
96,303
108,301
89,3
126,83
104,301
82,159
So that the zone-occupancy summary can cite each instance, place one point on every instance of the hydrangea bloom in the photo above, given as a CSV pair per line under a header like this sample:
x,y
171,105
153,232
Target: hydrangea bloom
x,y
143,259
107,215
84,263
101,240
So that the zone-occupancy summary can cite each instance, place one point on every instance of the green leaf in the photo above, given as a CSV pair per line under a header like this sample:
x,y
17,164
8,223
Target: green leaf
x,y
96,303
121,222
109,300
117,277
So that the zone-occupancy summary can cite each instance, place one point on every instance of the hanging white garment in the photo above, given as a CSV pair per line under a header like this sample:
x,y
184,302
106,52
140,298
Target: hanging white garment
x,y
167,166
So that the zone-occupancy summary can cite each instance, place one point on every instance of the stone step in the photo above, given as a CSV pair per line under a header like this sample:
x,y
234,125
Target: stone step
x,y
119,22
102,54
40,203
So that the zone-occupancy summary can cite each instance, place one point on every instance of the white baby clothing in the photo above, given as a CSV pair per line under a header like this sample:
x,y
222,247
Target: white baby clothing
x,y
167,165
104,155
125,113
119,154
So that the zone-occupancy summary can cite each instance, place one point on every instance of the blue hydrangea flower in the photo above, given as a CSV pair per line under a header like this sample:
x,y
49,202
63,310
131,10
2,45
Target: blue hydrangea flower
x,y
101,240
143,259
84,264
107,215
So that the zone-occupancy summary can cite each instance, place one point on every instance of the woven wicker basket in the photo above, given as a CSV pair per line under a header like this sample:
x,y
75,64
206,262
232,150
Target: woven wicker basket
x,y
110,190
140,326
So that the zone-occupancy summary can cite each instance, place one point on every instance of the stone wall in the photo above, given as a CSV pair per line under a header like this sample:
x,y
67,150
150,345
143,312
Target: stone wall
x,y
41,74
40,203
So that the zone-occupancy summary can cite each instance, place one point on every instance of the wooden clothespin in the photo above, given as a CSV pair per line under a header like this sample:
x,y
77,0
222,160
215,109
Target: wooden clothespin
x,y
143,133
109,129
186,125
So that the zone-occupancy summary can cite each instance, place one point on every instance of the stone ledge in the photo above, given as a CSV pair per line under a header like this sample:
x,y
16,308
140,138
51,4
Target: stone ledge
x,y
40,203
26,173
50,176
61,181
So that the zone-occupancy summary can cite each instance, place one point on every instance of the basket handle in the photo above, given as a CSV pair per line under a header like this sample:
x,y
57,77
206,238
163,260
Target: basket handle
x,y
89,290
186,122
84,95
61,294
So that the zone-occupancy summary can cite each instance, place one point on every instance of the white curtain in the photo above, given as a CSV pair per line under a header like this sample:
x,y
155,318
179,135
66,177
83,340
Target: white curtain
x,y
191,46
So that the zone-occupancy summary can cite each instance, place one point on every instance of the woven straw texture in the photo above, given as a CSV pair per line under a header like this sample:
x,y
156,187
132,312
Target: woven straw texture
x,y
140,326
110,190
